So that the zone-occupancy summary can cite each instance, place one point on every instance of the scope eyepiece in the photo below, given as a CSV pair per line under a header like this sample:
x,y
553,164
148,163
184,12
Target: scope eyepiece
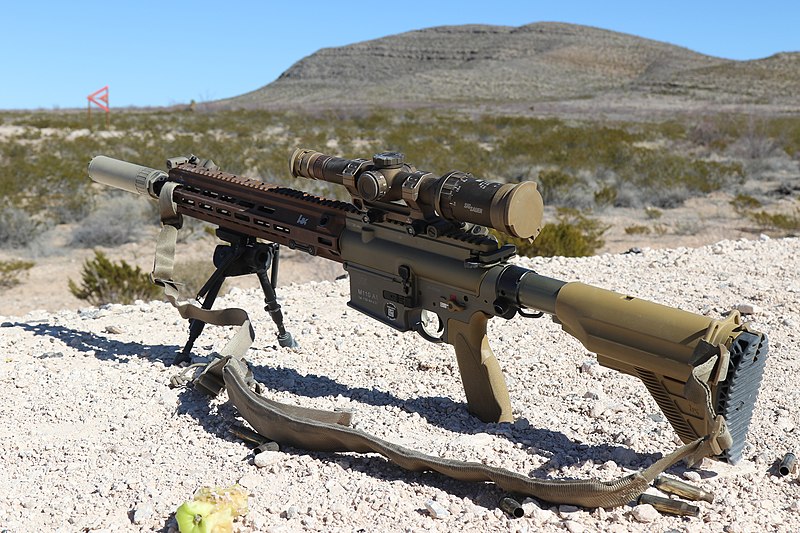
x,y
515,209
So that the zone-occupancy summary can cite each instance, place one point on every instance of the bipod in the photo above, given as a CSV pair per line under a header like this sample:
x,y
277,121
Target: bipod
x,y
242,255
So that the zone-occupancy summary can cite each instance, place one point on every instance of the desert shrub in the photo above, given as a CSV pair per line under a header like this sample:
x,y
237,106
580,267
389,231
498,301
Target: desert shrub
x,y
666,180
743,203
118,220
17,226
667,197
104,281
652,213
573,235
755,141
10,272
556,185
660,229
192,275
707,133
606,196
748,206
687,227
789,223
67,203
637,230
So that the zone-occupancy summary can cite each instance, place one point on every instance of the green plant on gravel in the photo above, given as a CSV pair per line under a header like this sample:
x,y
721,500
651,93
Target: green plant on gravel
x,y
104,281
572,235
10,272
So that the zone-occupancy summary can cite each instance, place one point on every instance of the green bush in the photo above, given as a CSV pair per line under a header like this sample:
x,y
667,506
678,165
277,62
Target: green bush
x,y
103,281
11,270
652,213
17,226
747,206
555,185
606,196
743,203
789,223
637,230
573,235
192,275
119,219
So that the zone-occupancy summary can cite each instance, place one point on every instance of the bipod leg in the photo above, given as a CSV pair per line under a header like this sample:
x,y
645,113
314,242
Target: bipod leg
x,y
285,338
209,293
196,326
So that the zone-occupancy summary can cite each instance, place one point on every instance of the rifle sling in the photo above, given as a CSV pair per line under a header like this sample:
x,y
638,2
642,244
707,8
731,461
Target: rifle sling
x,y
329,431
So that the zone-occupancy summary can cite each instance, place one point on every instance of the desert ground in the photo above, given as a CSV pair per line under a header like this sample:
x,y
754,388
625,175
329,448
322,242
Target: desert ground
x,y
94,438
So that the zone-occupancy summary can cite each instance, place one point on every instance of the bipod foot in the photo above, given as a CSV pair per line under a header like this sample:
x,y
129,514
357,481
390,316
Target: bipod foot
x,y
286,340
181,358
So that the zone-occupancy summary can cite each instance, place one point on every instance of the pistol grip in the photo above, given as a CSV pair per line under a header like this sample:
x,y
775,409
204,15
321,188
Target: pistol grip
x,y
484,385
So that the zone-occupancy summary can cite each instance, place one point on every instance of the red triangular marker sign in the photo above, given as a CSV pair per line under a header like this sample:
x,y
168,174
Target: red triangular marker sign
x,y
100,96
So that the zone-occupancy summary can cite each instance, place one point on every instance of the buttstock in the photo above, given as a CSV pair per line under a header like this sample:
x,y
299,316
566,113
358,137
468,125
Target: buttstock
x,y
696,368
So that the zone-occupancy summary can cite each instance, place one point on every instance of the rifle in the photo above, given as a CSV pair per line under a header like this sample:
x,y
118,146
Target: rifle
x,y
419,258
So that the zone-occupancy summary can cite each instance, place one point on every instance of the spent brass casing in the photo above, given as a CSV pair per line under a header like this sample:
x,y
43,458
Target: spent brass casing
x,y
246,434
668,506
512,507
682,489
787,465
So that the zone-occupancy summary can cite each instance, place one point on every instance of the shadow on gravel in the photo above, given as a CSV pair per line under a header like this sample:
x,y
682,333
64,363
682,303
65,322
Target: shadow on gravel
x,y
441,411
104,348
559,449
192,403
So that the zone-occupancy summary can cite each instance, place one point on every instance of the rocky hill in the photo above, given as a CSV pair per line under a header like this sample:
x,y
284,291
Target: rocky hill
x,y
538,63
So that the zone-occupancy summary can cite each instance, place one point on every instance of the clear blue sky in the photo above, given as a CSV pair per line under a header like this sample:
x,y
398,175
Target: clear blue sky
x,y
53,54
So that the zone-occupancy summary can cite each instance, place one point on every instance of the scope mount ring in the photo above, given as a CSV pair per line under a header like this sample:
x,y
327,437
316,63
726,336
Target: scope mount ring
x,y
490,259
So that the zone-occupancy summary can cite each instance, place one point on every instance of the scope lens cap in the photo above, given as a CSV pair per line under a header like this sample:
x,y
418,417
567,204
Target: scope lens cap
x,y
522,209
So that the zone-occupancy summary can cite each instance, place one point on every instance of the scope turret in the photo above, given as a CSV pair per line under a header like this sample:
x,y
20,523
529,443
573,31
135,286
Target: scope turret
x,y
515,209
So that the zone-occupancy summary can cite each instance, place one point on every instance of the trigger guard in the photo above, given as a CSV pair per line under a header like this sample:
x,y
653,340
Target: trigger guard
x,y
417,326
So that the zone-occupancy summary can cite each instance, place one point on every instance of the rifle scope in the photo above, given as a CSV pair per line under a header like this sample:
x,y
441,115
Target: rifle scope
x,y
515,209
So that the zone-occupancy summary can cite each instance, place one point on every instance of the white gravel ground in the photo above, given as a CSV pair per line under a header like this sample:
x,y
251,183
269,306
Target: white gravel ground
x,y
93,439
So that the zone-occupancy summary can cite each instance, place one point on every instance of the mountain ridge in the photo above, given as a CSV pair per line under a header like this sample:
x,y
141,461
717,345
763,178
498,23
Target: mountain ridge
x,y
523,66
